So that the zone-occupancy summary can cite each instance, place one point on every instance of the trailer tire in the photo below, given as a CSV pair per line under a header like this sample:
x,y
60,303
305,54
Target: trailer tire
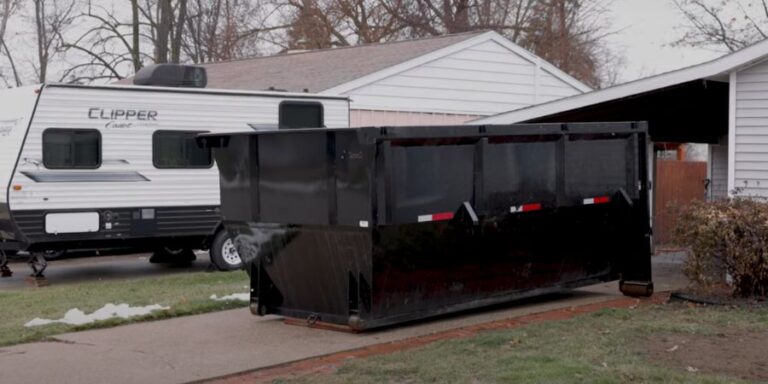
x,y
173,255
224,254
51,255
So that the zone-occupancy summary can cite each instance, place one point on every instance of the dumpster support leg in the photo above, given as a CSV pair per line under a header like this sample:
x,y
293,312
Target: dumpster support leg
x,y
636,288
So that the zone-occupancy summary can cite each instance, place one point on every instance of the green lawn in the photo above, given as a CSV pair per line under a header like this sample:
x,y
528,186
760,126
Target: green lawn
x,y
609,346
186,294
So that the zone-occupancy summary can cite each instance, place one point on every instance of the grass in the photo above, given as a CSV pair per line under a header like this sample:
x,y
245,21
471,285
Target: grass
x,y
186,294
603,347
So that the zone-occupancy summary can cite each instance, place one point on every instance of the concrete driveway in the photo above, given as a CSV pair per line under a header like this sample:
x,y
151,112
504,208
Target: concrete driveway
x,y
88,267
211,345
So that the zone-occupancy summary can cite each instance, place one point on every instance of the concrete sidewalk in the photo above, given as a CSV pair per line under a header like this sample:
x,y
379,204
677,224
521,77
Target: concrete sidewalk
x,y
205,346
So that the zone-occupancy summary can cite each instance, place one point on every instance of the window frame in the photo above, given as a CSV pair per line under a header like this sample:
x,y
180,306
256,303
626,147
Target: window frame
x,y
299,103
154,158
100,147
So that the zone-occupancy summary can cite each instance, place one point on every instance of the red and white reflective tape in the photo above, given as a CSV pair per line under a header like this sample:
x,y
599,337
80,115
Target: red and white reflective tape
x,y
526,208
597,200
436,217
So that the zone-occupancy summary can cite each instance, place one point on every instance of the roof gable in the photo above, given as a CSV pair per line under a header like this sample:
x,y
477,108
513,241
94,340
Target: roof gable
x,y
480,79
474,40
340,70
712,70
321,69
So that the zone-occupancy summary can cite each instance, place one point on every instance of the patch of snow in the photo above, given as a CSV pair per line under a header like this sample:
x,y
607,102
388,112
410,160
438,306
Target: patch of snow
x,y
109,311
234,296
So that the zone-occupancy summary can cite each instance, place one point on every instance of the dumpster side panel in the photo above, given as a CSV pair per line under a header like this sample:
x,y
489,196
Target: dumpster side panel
x,y
519,172
236,173
572,237
429,180
312,273
293,179
353,162
312,241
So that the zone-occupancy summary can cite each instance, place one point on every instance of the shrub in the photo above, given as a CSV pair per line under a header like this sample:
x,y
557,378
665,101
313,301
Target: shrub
x,y
726,238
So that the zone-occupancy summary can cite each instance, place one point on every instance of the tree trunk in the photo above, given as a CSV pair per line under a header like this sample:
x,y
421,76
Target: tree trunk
x,y
42,43
163,31
179,32
135,47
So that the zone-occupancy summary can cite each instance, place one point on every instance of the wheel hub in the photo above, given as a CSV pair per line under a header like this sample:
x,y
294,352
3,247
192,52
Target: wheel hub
x,y
229,253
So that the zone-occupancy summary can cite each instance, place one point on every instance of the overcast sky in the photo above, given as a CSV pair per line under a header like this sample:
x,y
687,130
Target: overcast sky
x,y
646,30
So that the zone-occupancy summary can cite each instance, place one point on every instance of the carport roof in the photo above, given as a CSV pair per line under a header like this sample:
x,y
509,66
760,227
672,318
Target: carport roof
x,y
717,70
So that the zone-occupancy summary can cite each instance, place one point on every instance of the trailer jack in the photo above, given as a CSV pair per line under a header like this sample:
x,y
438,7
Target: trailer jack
x,y
38,264
4,270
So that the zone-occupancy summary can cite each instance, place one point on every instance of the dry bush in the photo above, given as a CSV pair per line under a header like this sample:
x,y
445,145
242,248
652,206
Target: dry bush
x,y
726,238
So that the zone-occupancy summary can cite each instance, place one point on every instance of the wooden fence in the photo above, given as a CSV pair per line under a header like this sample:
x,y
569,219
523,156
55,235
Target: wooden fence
x,y
676,184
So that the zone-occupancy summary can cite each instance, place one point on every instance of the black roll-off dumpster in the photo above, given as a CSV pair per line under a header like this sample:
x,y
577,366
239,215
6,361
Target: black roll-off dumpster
x,y
369,227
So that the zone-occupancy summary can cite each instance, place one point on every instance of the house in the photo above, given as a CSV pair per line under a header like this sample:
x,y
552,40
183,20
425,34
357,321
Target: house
x,y
439,80
723,102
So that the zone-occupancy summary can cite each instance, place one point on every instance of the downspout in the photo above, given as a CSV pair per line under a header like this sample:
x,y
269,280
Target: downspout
x,y
731,134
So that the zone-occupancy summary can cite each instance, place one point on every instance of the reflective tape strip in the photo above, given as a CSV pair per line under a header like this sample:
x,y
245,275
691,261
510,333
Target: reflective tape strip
x,y
363,224
436,217
526,208
597,200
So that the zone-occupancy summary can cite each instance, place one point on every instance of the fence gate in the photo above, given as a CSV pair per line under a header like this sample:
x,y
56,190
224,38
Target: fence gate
x,y
677,184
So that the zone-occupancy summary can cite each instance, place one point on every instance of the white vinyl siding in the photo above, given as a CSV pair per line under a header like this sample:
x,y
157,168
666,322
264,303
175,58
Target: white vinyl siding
x,y
128,148
751,131
366,118
719,169
481,80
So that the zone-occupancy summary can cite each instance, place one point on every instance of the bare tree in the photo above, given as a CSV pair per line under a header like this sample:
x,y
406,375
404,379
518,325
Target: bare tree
x,y
166,19
731,25
368,21
52,18
9,7
312,25
224,29
110,45
568,33
438,17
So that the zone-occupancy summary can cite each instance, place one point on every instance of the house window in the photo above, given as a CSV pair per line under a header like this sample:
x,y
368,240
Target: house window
x,y
71,148
179,149
301,114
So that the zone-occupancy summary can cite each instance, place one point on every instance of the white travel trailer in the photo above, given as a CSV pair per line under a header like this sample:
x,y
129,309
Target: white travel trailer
x,y
88,167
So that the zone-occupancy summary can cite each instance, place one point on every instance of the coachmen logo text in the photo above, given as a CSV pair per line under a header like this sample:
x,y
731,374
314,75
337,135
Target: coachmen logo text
x,y
121,114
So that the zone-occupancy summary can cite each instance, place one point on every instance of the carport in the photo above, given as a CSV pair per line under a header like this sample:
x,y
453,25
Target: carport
x,y
718,102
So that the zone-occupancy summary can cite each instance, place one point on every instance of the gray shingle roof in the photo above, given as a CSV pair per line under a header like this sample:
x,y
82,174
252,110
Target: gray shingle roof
x,y
321,69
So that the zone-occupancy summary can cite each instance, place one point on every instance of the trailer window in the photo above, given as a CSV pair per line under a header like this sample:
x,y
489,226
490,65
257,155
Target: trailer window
x,y
71,148
179,149
301,114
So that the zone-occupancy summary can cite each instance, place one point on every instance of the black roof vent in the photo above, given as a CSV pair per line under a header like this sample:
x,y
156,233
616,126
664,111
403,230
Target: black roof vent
x,y
172,75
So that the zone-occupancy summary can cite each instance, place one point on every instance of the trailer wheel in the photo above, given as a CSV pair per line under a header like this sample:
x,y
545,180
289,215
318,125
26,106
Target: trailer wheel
x,y
50,255
173,255
224,253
